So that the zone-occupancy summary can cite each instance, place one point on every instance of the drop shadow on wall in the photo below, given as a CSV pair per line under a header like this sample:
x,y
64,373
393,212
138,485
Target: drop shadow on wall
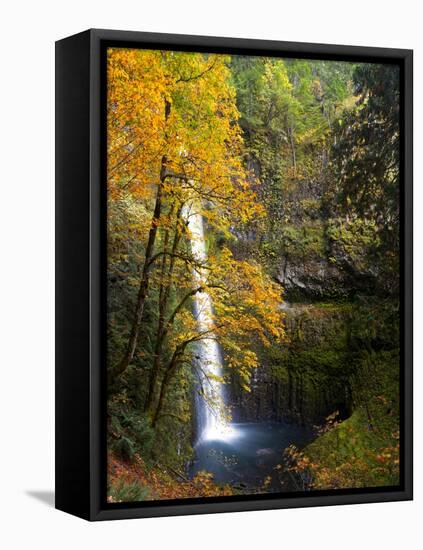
x,y
46,497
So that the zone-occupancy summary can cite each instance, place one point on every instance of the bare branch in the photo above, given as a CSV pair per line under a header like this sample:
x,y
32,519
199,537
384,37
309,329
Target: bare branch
x,y
199,75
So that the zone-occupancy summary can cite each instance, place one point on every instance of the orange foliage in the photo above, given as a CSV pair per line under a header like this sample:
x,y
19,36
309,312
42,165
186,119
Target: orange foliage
x,y
181,106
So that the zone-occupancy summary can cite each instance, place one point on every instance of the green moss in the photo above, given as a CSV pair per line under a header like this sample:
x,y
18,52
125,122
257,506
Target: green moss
x,y
317,346
356,239
305,240
363,451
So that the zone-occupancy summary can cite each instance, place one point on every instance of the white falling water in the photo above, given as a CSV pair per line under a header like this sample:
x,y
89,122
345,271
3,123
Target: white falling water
x,y
212,422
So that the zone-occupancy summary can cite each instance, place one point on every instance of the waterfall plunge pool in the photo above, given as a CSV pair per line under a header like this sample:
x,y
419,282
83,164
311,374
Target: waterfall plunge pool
x,y
249,453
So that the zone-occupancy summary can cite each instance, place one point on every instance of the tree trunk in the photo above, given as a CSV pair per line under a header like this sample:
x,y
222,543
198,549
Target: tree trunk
x,y
165,384
163,299
143,288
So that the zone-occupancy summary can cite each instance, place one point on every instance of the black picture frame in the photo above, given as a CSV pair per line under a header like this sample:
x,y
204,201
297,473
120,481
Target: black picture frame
x,y
81,268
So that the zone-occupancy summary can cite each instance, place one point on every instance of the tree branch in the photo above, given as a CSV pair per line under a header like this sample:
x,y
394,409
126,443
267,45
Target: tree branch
x,y
199,75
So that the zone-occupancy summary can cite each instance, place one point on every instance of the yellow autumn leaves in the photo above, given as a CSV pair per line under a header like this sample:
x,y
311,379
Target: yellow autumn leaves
x,y
173,140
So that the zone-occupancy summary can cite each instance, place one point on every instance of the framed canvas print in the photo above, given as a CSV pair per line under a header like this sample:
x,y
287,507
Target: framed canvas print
x,y
234,274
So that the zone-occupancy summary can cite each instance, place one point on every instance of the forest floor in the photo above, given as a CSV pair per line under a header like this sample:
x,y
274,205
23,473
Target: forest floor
x,y
134,480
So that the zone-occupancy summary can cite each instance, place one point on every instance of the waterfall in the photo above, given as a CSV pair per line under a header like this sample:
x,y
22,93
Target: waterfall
x,y
211,405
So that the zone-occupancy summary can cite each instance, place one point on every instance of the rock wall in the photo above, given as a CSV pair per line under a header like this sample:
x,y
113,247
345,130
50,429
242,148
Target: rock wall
x,y
305,379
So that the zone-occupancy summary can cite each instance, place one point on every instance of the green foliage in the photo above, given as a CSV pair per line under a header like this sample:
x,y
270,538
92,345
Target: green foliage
x,y
367,151
129,431
288,109
127,491
307,240
172,444
281,112
353,242
366,163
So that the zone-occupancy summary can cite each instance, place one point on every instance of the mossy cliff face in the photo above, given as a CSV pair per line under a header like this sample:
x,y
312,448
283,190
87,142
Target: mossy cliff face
x,y
326,259
339,372
308,376
331,270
